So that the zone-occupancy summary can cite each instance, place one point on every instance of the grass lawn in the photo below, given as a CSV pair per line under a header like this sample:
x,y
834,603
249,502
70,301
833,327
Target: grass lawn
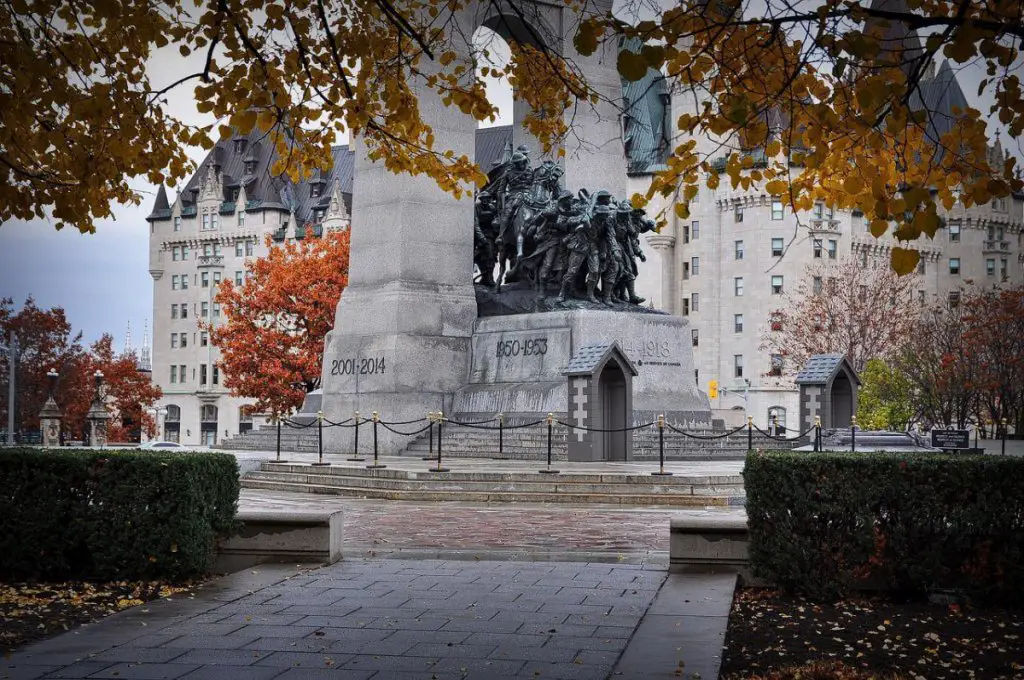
x,y
777,636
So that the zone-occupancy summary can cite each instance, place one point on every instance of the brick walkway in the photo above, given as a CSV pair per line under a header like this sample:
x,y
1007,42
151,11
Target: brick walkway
x,y
381,528
360,619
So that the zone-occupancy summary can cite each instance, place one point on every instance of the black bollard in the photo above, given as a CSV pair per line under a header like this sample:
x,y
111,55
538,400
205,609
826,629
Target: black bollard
x,y
376,462
551,422
817,433
278,419
853,434
440,424
320,437
750,433
501,436
661,448
1003,453
430,430
356,458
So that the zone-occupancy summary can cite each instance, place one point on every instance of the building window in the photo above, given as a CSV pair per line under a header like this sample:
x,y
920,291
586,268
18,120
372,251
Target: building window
x,y
954,266
686,306
174,374
174,341
177,224
777,419
739,250
817,285
695,265
695,232
241,219
990,266
182,376
695,302
737,323
819,210
777,364
175,253
737,286
202,374
205,310
777,208
817,247
1003,273
207,250
216,250
184,340
1000,234
686,271
833,248
738,214
776,285
184,281
216,375
184,310
238,278
184,253
686,233
216,278
695,337
777,247
216,310
213,220
314,190
204,339
737,364
174,311
248,248
206,221
954,232
205,279
238,249
991,233
175,282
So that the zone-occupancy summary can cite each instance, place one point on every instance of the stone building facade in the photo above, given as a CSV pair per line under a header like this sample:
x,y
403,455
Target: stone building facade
x,y
217,223
731,262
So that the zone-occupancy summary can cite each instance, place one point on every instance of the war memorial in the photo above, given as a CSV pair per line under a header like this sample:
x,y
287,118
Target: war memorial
x,y
414,333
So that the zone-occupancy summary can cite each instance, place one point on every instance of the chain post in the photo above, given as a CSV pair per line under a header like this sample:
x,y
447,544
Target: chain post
x,y
551,423
1003,453
320,438
853,434
661,448
356,458
501,435
278,421
750,433
817,433
440,424
430,431
376,462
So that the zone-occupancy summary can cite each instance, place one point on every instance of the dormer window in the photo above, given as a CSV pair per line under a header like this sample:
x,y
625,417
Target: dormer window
x,y
250,167
234,194
315,190
239,145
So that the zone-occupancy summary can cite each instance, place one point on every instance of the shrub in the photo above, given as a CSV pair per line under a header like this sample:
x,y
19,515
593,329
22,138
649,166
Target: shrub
x,y
113,514
827,523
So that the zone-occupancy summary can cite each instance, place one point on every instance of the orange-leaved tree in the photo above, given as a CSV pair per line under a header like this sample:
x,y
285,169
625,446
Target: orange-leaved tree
x,y
272,343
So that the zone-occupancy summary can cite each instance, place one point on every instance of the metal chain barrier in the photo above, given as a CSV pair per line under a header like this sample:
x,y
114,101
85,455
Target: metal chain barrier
x,y
785,439
705,437
402,422
471,422
387,426
598,429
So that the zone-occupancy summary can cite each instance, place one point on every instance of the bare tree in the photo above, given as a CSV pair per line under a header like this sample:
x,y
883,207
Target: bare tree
x,y
845,308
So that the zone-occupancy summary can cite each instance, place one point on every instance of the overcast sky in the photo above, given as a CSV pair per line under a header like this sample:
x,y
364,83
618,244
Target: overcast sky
x,y
102,279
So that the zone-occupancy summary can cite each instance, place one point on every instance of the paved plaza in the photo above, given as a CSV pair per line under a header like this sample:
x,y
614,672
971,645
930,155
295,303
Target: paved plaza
x,y
404,619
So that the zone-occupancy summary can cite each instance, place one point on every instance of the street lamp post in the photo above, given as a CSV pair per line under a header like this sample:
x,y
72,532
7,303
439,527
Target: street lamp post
x,y
11,350
98,415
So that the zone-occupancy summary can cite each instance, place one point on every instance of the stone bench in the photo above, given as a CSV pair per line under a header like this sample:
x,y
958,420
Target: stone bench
x,y
294,535
715,543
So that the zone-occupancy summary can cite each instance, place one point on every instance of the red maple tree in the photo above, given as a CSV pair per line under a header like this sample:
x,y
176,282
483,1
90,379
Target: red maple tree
x,y
273,341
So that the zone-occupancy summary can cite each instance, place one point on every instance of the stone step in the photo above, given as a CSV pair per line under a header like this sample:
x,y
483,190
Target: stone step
x,y
675,500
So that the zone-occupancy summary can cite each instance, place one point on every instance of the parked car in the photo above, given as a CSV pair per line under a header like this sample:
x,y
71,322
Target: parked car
x,y
164,446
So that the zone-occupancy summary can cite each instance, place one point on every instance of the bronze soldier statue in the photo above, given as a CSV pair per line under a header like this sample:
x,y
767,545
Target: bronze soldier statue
x,y
484,253
584,247
551,230
627,235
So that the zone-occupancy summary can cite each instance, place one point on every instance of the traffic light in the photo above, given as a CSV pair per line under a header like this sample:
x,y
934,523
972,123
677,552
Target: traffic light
x,y
713,389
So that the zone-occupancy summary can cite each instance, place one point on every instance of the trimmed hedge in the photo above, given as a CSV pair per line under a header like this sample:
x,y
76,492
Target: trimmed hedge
x,y
829,523
113,515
